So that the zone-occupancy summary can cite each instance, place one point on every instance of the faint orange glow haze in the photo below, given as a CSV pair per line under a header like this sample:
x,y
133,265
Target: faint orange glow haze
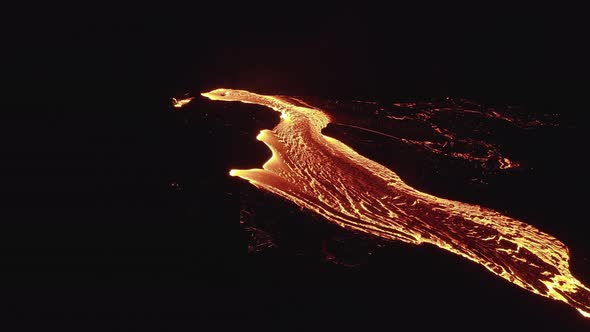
x,y
326,176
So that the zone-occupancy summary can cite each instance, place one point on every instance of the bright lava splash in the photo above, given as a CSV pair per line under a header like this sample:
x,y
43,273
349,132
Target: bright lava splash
x,y
325,175
178,103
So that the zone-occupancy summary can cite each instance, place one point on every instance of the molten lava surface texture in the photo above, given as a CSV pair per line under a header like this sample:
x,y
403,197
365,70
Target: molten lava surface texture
x,y
324,175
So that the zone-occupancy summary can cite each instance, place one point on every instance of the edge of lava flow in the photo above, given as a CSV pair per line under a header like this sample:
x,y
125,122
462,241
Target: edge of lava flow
x,y
326,176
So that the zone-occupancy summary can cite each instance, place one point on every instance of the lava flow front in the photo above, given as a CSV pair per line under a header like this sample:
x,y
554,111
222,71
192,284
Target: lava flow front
x,y
324,175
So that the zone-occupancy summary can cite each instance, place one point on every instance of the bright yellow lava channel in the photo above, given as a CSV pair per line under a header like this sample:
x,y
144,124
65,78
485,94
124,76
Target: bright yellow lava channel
x,y
324,175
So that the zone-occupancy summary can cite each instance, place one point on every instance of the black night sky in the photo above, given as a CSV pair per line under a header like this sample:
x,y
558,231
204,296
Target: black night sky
x,y
93,235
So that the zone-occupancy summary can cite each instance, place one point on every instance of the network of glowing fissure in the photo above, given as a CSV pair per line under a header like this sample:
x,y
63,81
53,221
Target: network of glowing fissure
x,y
454,128
324,175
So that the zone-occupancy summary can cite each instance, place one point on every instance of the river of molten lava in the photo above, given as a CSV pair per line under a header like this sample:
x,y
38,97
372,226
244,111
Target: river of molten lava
x,y
324,175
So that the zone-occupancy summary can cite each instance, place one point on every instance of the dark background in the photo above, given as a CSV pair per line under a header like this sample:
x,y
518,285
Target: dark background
x,y
93,231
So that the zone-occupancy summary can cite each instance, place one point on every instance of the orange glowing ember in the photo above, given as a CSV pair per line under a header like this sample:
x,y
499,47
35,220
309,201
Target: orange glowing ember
x,y
506,163
178,103
324,175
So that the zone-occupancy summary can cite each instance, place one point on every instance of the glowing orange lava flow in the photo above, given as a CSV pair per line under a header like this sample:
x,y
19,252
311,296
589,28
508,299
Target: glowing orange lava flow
x,y
178,103
324,175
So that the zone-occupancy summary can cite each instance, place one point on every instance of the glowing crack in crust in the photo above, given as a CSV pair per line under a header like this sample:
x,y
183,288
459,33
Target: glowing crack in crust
x,y
324,175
